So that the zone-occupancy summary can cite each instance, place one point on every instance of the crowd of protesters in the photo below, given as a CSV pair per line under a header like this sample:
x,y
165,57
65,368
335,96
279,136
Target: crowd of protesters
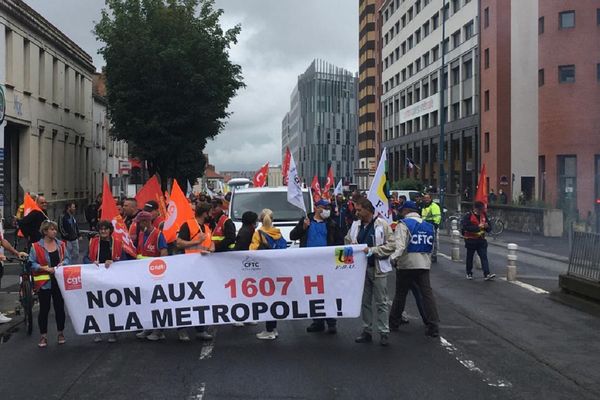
x,y
341,221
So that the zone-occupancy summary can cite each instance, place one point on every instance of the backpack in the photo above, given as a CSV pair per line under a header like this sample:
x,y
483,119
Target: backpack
x,y
272,244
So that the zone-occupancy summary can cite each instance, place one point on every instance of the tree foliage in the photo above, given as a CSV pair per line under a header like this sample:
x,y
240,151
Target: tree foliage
x,y
169,79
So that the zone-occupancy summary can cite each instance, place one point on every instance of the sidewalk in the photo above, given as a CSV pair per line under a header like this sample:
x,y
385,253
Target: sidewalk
x,y
547,247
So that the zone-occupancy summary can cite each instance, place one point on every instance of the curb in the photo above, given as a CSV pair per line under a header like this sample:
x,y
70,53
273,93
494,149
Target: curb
x,y
526,250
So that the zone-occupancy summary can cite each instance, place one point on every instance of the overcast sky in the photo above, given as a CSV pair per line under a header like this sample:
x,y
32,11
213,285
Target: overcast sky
x,y
279,40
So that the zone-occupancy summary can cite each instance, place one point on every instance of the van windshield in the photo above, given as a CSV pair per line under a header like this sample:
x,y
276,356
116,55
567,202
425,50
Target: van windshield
x,y
275,201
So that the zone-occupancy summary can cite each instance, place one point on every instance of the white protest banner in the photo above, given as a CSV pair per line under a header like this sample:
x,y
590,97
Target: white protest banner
x,y
221,288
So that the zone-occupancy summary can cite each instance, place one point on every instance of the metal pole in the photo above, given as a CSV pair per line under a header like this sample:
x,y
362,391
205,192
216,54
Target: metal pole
x,y
443,83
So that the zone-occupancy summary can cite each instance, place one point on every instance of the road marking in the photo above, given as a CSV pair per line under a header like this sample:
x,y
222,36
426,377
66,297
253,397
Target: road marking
x,y
527,286
197,392
207,348
488,378
447,257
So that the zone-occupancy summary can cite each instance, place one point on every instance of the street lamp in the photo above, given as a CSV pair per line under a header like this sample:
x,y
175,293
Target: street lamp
x,y
443,82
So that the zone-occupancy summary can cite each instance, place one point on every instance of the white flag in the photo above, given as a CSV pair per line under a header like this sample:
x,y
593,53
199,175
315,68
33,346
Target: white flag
x,y
189,189
338,189
377,192
294,187
208,191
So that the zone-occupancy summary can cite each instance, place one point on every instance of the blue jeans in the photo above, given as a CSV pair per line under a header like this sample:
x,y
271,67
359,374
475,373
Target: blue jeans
x,y
481,249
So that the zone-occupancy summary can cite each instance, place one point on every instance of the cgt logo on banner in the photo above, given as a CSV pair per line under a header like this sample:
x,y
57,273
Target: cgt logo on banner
x,y
157,268
214,289
72,277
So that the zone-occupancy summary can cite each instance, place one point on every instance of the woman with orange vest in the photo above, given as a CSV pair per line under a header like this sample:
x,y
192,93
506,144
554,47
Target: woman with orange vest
x,y
45,256
104,249
195,237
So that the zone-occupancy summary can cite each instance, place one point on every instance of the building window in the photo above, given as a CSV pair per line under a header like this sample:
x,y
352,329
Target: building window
x,y
446,45
426,86
468,107
10,60
566,74
486,58
598,72
436,53
455,6
426,29
426,59
468,30
434,118
42,73
486,17
54,80
598,16
435,20
566,19
434,86
486,104
541,77
456,39
468,69
418,35
418,65
486,142
455,75
540,25
26,66
567,181
455,111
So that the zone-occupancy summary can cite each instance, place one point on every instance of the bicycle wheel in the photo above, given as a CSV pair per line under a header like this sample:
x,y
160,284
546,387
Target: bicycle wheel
x,y
27,303
497,227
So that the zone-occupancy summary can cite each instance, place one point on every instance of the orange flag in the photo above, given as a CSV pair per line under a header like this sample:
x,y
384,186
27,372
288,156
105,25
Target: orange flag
x,y
110,213
482,192
316,189
150,191
29,205
178,211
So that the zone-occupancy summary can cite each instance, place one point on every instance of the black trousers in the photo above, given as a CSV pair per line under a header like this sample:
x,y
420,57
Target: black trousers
x,y
420,277
45,296
321,321
270,325
396,311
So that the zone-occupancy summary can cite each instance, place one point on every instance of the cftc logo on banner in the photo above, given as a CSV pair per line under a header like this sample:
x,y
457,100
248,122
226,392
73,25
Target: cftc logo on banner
x,y
72,277
250,264
344,257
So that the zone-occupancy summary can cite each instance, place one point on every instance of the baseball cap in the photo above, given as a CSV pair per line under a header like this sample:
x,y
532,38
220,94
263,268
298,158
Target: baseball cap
x,y
151,206
410,205
322,203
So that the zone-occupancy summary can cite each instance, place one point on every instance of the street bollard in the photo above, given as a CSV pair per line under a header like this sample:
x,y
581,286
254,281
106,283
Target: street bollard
x,y
455,245
511,269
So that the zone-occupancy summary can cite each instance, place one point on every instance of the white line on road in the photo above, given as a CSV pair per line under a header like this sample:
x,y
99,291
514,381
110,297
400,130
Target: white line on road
x,y
207,348
527,286
197,392
488,378
447,257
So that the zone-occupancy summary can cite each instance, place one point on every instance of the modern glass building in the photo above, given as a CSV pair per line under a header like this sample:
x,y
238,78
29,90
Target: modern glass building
x,y
321,126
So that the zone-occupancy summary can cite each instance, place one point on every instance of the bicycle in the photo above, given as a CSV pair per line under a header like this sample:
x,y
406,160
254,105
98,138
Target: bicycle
x,y
497,226
26,296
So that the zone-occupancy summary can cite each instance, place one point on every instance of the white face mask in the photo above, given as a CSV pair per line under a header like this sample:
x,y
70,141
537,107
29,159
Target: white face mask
x,y
325,214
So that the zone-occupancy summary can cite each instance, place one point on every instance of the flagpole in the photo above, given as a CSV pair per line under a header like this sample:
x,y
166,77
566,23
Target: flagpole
x,y
443,81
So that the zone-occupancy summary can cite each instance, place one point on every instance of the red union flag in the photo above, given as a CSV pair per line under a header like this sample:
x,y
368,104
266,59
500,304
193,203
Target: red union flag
x,y
260,179
150,191
482,190
178,211
110,213
286,166
328,183
316,189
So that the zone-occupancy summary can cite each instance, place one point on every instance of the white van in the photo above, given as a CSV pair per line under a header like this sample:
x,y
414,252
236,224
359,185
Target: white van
x,y
286,215
409,194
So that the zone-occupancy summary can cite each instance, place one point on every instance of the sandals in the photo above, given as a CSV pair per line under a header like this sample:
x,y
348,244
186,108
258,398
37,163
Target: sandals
x,y
61,338
43,342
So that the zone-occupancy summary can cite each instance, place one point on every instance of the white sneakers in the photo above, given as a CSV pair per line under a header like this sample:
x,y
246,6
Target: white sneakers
x,y
265,335
183,335
156,334
4,319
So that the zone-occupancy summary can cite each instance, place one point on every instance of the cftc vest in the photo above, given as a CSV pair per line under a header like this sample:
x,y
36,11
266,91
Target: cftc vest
x,y
422,236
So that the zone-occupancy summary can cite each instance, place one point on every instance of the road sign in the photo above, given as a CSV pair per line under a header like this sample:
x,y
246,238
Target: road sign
x,y
124,167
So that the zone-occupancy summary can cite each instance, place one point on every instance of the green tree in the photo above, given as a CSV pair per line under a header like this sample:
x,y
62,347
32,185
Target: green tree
x,y
169,79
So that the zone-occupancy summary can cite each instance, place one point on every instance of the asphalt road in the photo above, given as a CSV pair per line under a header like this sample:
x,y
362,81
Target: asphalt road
x,y
499,341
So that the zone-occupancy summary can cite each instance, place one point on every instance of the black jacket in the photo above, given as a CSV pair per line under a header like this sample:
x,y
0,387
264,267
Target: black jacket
x,y
468,226
298,233
228,233
30,226
244,238
68,231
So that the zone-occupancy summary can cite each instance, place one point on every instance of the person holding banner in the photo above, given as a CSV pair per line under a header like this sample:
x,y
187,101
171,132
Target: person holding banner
x,y
45,256
379,238
244,236
223,228
318,230
260,241
195,237
104,249
150,242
